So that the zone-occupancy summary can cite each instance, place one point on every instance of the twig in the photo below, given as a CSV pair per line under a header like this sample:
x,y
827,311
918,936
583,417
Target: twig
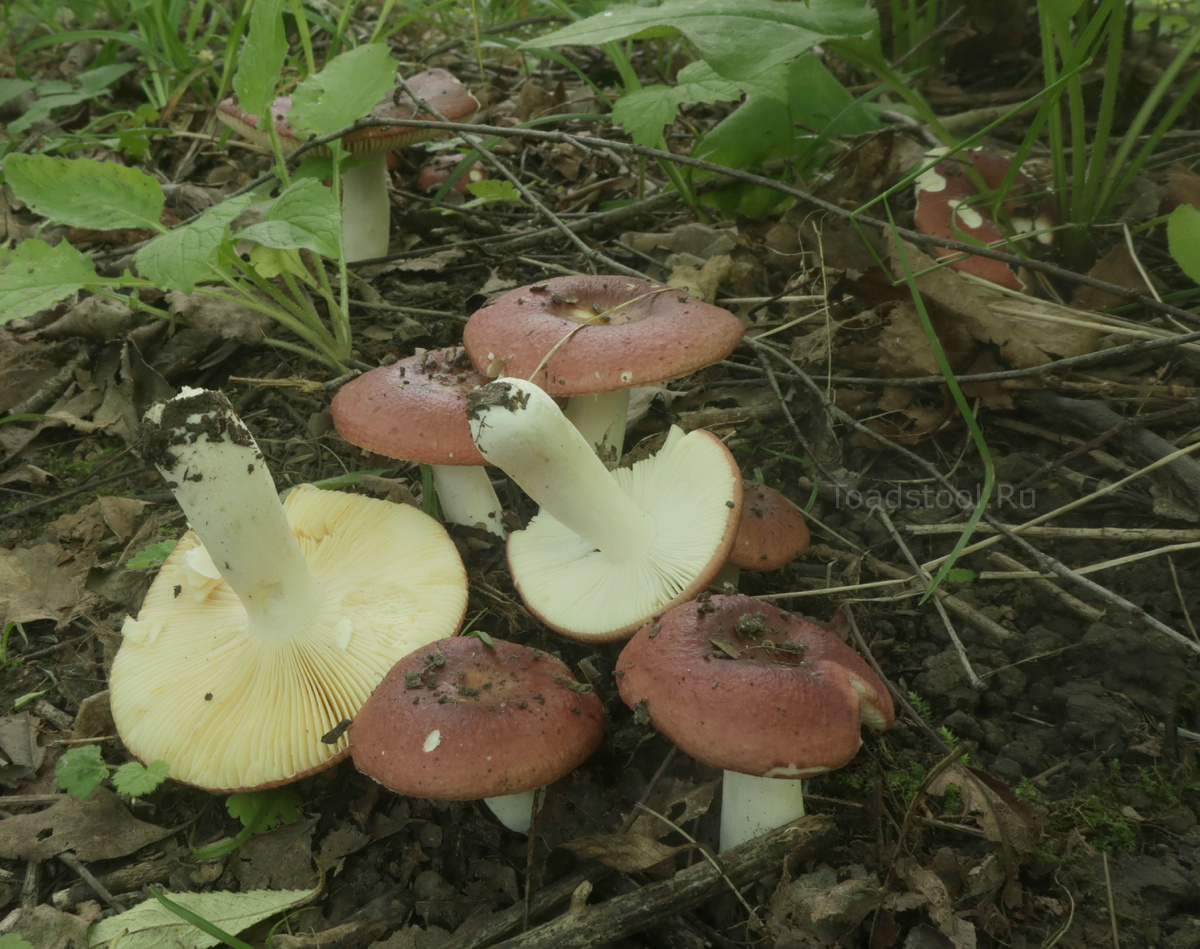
x,y
926,579
1112,909
96,886
1166,535
1072,603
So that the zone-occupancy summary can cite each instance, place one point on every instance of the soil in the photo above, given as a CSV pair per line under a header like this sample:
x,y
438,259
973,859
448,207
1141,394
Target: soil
x,y
1040,786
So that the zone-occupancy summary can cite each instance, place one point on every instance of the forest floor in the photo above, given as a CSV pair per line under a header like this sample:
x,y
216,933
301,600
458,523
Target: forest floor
x,y
1040,787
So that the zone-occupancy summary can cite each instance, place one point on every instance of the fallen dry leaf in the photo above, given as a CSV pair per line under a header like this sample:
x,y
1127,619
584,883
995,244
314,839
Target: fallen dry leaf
x,y
34,586
96,828
959,931
629,853
1001,815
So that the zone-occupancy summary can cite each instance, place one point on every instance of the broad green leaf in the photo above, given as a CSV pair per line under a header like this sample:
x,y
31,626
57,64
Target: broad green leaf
x,y
11,88
136,779
13,941
269,263
56,94
961,575
36,275
644,113
151,556
181,258
261,61
1183,239
740,39
347,89
150,925
488,190
80,770
85,193
262,810
303,216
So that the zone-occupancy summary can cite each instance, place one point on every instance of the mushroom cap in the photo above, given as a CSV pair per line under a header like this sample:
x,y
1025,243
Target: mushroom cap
x,y
231,712
692,488
582,335
438,168
437,87
415,409
772,531
461,720
742,686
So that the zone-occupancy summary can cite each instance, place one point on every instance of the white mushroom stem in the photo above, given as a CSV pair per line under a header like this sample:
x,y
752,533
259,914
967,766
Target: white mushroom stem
x,y
467,497
515,811
601,420
218,476
751,806
519,429
366,209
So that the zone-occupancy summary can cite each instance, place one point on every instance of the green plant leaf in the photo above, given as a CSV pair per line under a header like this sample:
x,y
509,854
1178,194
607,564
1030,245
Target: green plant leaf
x,y
56,94
490,190
740,39
303,216
348,88
961,575
13,941
644,113
152,556
261,810
1183,239
80,770
261,61
36,275
85,193
151,925
137,780
11,88
183,257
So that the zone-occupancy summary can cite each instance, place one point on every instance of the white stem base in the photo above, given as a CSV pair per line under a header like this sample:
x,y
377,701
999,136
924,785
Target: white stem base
x,y
515,811
466,497
601,420
366,210
752,806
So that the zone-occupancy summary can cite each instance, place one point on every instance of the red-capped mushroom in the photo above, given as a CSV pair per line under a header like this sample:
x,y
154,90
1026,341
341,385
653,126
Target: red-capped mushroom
x,y
772,531
415,410
437,170
470,719
945,209
593,338
366,207
766,696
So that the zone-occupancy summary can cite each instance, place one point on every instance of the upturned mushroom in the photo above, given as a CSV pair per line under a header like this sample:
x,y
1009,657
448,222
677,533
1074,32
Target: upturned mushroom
x,y
269,624
463,719
415,410
593,338
766,696
366,206
608,549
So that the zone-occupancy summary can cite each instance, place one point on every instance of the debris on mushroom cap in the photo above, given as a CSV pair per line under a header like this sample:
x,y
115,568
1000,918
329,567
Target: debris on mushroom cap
x,y
437,170
945,209
462,720
437,87
414,409
740,685
590,334
193,686
772,531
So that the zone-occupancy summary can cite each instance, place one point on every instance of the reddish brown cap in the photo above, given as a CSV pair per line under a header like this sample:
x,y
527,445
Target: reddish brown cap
x,y
437,87
415,409
467,720
600,333
437,170
743,686
772,530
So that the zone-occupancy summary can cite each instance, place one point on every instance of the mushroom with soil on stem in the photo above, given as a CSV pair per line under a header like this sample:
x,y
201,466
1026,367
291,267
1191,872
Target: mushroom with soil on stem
x,y
366,206
766,696
593,338
270,623
468,718
608,549
415,410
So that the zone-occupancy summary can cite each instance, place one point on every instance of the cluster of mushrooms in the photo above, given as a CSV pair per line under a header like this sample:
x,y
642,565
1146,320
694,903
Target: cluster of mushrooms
x,y
280,637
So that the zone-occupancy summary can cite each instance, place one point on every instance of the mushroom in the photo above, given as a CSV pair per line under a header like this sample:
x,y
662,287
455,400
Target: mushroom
x,y
269,624
463,719
366,207
593,338
766,696
415,409
609,548
945,209
437,170
771,533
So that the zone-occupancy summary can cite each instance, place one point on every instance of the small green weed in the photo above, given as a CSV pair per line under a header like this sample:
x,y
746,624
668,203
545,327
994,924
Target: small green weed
x,y
82,769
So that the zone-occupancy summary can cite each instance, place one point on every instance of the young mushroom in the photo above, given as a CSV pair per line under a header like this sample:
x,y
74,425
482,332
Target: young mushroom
x,y
366,206
269,624
593,338
766,696
415,409
609,548
772,533
464,719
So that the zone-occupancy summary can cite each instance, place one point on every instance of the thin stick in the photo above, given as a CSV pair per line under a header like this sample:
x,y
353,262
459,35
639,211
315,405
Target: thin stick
x,y
1014,569
1155,534
1112,909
